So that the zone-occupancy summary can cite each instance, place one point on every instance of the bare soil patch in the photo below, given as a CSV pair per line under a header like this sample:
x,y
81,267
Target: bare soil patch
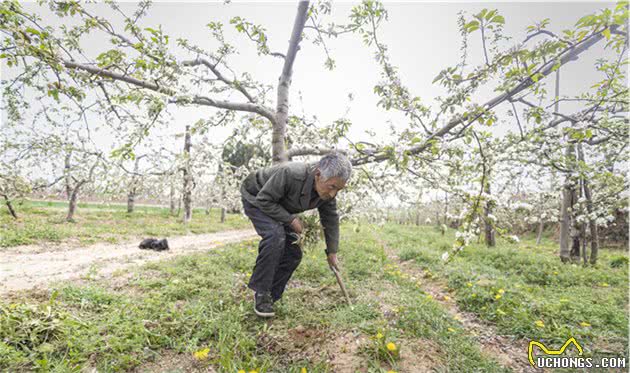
x,y
38,267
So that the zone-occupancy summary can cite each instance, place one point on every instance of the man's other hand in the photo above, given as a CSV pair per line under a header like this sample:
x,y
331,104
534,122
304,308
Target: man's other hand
x,y
296,225
332,261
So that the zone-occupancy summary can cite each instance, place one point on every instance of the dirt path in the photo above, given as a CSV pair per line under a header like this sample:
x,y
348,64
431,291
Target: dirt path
x,y
510,353
29,269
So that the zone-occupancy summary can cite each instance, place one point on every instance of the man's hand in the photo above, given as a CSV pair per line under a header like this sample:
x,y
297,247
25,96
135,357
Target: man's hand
x,y
332,261
296,225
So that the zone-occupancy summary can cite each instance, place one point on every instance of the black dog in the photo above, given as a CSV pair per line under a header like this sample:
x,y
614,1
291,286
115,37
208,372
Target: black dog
x,y
154,244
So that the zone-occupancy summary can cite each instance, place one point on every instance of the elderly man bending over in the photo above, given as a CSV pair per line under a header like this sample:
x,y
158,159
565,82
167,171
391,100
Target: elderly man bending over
x,y
271,198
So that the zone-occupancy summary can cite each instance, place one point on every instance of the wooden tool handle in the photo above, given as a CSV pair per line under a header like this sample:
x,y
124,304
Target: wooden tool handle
x,y
341,285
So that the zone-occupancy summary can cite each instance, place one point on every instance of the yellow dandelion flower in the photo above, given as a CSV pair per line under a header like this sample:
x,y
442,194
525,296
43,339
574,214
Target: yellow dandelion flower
x,y
540,323
603,284
391,371
446,297
253,371
303,370
500,291
451,330
201,354
241,371
498,296
391,346
379,335
584,323
474,295
555,272
469,284
429,296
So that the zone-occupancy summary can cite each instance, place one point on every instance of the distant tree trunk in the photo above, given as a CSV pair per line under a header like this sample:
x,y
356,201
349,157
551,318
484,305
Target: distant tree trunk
x,y
187,193
490,239
133,188
568,191
222,214
7,202
589,208
74,195
172,198
131,197
582,230
67,176
446,208
541,228
72,204
574,254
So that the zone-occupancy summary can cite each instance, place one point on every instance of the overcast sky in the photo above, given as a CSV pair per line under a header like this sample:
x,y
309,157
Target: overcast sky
x,y
422,37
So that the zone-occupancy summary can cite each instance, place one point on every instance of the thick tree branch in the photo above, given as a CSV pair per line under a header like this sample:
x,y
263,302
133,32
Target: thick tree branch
x,y
282,109
569,54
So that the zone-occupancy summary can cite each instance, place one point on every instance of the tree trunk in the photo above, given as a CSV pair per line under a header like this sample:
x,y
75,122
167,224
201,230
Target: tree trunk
x,y
567,192
582,228
131,196
574,254
172,198
541,228
187,194
222,214
7,202
72,204
278,134
446,208
490,238
67,177
589,208
131,199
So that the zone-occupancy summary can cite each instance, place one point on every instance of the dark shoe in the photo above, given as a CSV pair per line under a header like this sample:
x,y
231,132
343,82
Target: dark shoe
x,y
263,305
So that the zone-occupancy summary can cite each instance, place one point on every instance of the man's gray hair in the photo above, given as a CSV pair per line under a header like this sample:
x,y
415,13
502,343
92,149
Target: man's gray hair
x,y
335,165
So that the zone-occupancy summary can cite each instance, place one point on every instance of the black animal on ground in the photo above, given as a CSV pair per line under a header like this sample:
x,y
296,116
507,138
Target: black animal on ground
x,y
154,244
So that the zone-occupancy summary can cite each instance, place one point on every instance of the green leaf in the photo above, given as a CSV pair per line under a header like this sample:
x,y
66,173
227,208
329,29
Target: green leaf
x,y
498,19
31,30
606,33
589,133
471,26
438,77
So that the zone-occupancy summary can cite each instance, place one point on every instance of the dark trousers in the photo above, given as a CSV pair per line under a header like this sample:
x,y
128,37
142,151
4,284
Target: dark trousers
x,y
277,256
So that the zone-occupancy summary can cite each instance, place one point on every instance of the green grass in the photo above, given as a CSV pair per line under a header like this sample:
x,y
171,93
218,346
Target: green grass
x,y
526,291
200,301
45,222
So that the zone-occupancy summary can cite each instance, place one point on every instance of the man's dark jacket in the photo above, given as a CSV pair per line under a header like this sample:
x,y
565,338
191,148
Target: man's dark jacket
x,y
286,189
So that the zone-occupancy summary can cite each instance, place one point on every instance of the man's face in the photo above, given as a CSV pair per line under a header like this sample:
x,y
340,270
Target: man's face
x,y
327,189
